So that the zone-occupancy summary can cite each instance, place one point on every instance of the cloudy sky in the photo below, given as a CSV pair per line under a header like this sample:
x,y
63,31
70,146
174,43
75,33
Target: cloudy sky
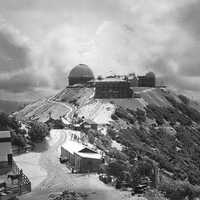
x,y
41,40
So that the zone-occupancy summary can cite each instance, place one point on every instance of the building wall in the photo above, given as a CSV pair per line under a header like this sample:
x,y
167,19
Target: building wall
x,y
113,90
84,165
144,81
5,149
133,82
81,165
68,155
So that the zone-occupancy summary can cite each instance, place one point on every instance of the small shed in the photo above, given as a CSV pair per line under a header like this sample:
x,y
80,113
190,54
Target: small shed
x,y
81,158
5,147
89,124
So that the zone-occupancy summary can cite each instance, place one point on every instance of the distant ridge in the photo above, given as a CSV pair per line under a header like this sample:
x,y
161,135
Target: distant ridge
x,y
11,106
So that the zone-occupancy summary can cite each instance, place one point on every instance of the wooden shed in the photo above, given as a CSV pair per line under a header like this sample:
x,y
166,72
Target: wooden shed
x,y
81,158
5,147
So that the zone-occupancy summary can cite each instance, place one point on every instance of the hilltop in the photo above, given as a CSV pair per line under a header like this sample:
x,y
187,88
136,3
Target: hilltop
x,y
82,100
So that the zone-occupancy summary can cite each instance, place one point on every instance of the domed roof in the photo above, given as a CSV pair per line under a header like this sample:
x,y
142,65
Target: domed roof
x,y
81,70
150,74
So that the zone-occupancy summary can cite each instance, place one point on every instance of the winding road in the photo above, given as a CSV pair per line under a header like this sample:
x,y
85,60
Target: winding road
x,y
60,178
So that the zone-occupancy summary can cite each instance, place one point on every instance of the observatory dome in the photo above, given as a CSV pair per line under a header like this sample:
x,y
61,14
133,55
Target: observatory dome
x,y
80,74
150,75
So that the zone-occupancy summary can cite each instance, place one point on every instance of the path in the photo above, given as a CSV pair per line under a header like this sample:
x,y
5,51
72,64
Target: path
x,y
60,178
67,117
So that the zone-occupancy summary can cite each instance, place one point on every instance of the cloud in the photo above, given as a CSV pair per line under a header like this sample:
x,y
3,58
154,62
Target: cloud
x,y
13,56
189,18
111,36
21,82
17,70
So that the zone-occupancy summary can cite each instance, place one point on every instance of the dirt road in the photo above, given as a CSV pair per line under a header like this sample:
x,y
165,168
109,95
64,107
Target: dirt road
x,y
59,177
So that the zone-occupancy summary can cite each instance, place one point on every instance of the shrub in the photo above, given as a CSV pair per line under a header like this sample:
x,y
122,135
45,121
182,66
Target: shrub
x,y
154,195
113,152
116,168
184,99
179,190
38,131
114,117
17,139
141,117
7,122
91,138
124,114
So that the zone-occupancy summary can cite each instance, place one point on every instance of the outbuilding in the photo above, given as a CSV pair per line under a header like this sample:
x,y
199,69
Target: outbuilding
x,y
81,158
5,148
89,124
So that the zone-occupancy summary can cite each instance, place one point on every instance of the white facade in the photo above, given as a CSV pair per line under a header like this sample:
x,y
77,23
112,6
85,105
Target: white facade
x,y
5,145
5,149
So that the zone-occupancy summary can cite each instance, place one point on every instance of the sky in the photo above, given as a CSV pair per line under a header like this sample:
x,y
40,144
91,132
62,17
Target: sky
x,y
42,40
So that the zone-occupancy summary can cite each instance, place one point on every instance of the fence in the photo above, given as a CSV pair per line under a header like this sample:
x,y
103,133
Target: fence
x,y
25,184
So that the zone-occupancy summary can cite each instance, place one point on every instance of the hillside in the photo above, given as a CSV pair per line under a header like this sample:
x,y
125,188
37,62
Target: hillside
x,y
157,123
41,109
99,110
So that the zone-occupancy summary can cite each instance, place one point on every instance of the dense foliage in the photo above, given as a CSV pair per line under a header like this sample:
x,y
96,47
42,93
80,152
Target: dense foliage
x,y
38,131
10,123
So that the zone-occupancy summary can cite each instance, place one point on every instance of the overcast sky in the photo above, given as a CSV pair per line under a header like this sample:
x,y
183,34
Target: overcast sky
x,y
41,40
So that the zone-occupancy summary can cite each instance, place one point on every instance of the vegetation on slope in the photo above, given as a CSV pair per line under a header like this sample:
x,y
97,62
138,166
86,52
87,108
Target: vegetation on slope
x,y
173,142
36,133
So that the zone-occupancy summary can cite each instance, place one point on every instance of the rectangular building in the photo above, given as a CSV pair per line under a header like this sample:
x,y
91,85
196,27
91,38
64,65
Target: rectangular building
x,y
5,147
145,81
80,157
112,88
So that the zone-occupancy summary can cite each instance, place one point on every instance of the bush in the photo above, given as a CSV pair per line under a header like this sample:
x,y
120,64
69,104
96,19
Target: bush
x,y
114,117
113,152
141,117
18,139
124,114
116,168
112,133
179,190
7,122
185,109
154,195
91,138
38,131
184,99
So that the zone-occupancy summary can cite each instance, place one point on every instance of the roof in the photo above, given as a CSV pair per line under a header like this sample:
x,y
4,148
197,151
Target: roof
x,y
89,155
81,70
5,134
110,80
74,147
150,75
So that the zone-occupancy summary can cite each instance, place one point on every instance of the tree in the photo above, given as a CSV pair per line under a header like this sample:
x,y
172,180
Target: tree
x,y
18,139
91,138
116,168
38,131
